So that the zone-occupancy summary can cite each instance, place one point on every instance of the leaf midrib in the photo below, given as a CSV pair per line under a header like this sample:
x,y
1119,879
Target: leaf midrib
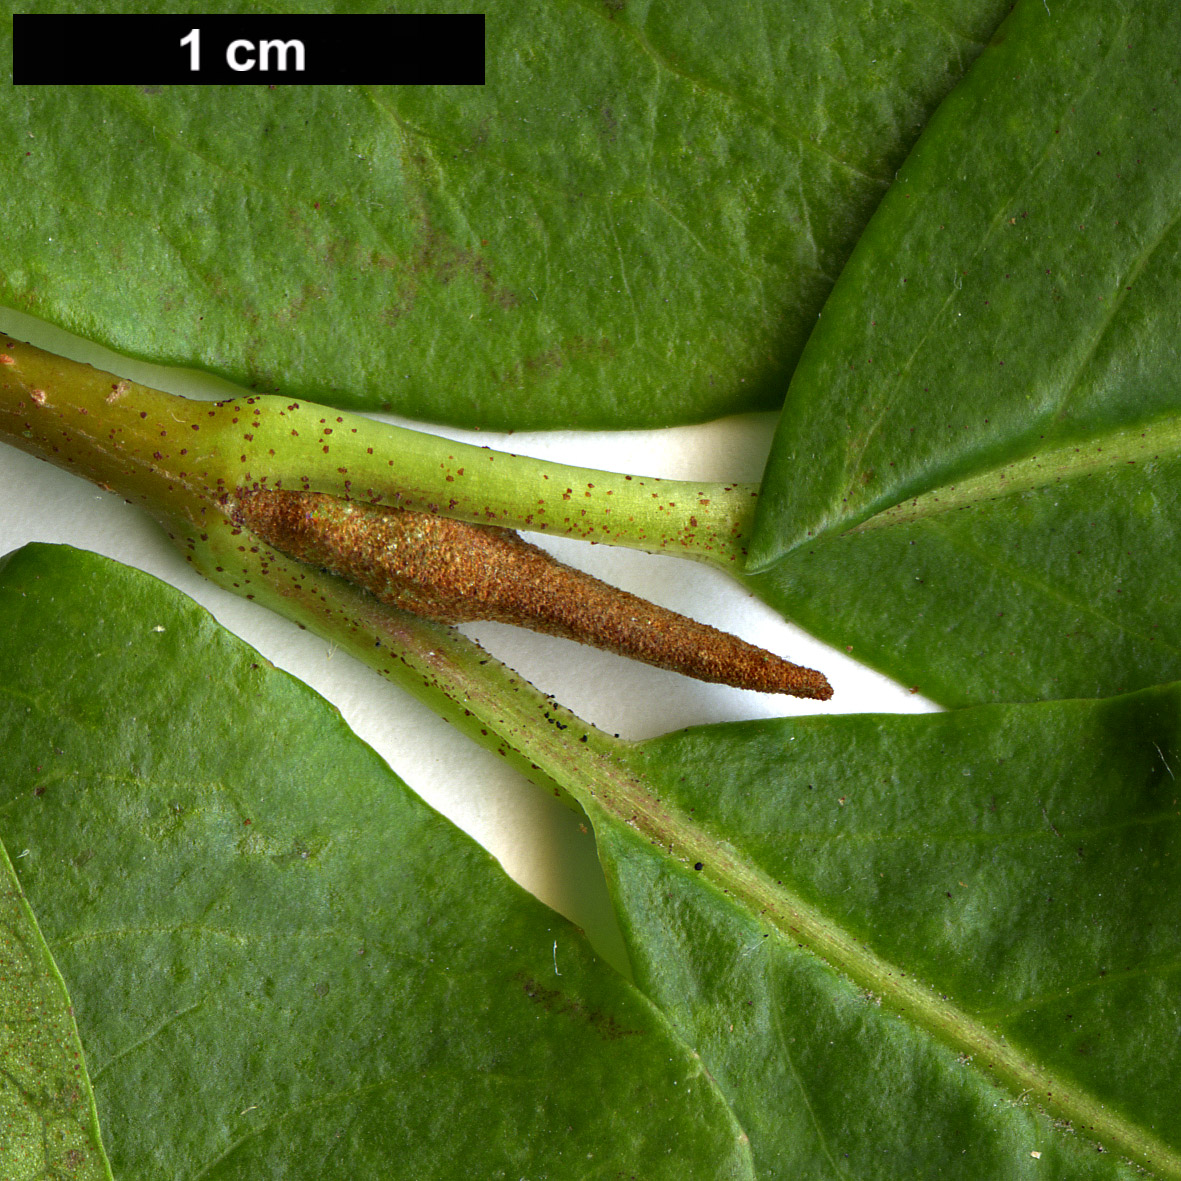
x,y
624,800
605,775
1116,448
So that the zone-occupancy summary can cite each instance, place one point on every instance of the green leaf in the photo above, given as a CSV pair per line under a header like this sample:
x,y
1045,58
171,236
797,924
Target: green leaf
x,y
48,1126
1016,292
973,485
635,222
940,945
903,947
1065,590
283,964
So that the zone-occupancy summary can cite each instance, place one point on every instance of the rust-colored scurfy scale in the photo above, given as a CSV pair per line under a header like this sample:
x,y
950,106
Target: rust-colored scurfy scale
x,y
454,572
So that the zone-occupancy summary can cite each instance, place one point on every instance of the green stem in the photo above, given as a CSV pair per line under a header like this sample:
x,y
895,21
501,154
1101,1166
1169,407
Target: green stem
x,y
184,460
175,453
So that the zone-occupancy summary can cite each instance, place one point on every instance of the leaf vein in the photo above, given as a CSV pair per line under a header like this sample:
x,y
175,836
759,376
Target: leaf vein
x,y
1166,967
170,1019
821,1138
708,86
1135,270
1019,575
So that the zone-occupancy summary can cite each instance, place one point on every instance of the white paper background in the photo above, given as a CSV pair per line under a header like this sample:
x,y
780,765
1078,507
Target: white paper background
x,y
539,842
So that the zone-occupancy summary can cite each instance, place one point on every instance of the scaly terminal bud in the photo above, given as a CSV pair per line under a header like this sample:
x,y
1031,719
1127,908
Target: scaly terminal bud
x,y
453,572
195,465
189,463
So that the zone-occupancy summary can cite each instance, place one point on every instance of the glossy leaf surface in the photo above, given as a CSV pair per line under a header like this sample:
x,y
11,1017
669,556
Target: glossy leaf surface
x,y
282,963
938,945
635,222
47,1122
1017,291
975,474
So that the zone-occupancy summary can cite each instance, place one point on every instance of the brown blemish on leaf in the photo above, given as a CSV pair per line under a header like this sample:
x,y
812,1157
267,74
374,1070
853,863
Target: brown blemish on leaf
x,y
480,137
294,309
539,366
454,572
440,259
553,1001
436,256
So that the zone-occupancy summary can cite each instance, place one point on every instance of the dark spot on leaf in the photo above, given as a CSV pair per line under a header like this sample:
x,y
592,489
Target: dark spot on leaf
x,y
538,367
553,1001
438,258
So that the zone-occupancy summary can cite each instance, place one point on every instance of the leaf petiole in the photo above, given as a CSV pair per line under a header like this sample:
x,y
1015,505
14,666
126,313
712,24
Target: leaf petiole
x,y
165,450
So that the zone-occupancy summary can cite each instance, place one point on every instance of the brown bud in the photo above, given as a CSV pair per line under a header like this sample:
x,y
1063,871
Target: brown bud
x,y
454,572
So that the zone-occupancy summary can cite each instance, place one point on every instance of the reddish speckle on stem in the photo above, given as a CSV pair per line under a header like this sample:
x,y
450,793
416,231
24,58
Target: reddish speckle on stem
x,y
5,359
